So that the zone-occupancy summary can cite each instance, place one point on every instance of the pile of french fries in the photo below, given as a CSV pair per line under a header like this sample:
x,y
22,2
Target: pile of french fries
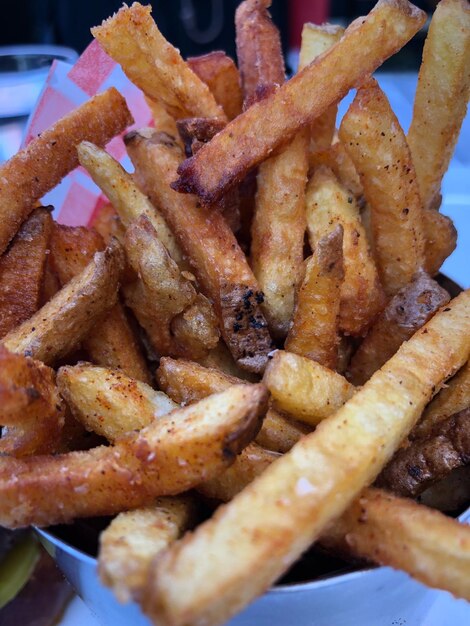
x,y
254,320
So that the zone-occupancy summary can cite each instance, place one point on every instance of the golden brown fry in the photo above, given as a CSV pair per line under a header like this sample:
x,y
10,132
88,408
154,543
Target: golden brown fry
x,y
375,142
31,409
22,269
64,321
441,239
134,538
33,171
220,74
108,402
162,120
314,330
170,456
307,488
106,222
221,360
361,294
407,311
338,160
441,96
133,40
252,136
220,265
305,389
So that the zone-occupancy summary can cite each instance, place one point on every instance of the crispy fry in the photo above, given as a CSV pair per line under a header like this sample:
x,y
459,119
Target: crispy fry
x,y
314,330
64,321
273,121
375,142
361,294
305,389
407,311
135,538
220,74
339,161
221,360
133,40
110,403
162,120
219,264
31,410
442,95
52,155
106,222
22,270
170,456
306,489
441,239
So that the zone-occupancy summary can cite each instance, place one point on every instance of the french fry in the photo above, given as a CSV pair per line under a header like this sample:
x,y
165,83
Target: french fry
x,y
106,222
404,314
133,40
307,488
441,239
110,403
361,295
220,74
220,359
314,330
162,120
64,321
375,142
338,160
22,270
170,456
219,264
441,96
305,389
52,155
450,494
254,135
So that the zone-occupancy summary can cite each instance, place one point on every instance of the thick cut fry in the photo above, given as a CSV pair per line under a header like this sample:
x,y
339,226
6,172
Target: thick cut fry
x,y
361,294
441,239
170,456
178,320
22,270
426,461
305,389
340,163
162,120
314,330
221,360
220,74
252,136
307,488
186,382
441,96
64,321
106,222
375,142
32,172
220,265
31,409
133,40
133,539
110,403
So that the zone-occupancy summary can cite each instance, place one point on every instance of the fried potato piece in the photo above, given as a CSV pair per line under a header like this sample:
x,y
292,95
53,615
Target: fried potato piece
x,y
441,96
178,320
254,135
441,239
305,389
162,120
64,321
106,222
450,494
407,311
220,74
221,360
133,40
110,403
307,488
397,532
339,162
135,538
50,283
52,155
371,134
31,410
314,330
22,270
219,264
426,461
361,294
168,457
453,398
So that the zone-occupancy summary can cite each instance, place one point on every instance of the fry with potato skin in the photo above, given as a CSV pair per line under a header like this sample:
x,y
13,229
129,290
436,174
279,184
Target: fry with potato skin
x,y
307,488
170,456
254,135
22,270
52,155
